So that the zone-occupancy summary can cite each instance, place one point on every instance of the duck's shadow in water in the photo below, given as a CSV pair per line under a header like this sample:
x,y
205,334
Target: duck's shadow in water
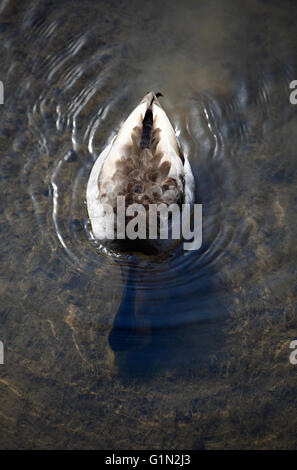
x,y
143,348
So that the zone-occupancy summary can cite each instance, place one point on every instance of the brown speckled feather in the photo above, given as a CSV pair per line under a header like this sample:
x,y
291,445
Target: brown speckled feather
x,y
140,166
144,164
140,176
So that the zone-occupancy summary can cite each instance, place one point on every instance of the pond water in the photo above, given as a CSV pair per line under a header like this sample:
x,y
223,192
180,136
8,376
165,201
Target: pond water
x,y
185,351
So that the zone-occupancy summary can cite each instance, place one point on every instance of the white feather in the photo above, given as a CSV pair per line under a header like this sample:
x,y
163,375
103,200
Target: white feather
x,y
106,163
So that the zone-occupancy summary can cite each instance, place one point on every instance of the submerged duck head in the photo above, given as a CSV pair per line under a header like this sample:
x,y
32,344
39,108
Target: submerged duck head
x,y
143,165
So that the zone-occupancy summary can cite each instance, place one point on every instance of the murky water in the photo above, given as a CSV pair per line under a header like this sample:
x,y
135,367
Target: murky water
x,y
186,351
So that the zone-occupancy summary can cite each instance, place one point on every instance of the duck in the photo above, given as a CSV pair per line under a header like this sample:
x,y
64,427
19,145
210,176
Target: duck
x,y
143,165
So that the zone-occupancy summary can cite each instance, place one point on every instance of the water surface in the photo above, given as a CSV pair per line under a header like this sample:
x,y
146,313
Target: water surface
x,y
190,350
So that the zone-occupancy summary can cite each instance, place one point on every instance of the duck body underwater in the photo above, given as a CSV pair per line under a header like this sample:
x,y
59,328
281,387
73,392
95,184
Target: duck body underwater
x,y
142,167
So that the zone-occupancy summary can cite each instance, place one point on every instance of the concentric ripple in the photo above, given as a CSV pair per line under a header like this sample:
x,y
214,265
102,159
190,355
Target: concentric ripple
x,y
74,94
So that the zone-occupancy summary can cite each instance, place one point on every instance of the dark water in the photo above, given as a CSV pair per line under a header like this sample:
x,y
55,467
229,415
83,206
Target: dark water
x,y
186,351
